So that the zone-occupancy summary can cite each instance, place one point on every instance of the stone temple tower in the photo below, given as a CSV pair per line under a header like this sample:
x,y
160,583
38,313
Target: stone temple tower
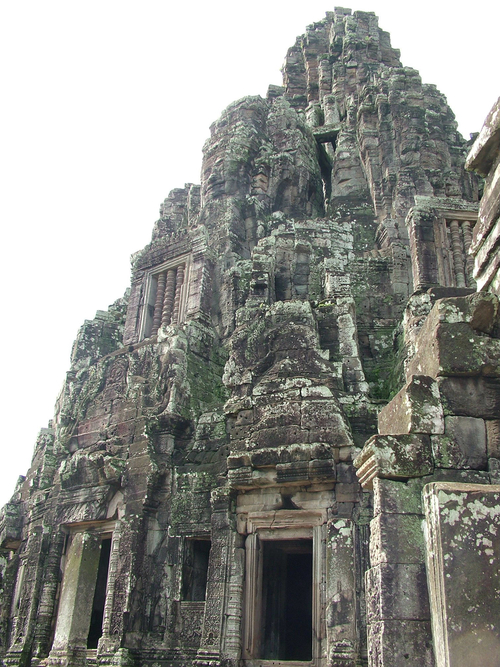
x,y
257,451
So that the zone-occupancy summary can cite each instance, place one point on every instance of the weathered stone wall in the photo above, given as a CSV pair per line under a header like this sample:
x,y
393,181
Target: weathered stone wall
x,y
441,427
484,159
277,309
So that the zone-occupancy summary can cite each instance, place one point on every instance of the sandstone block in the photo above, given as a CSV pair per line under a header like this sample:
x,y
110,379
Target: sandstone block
x,y
322,469
396,538
493,438
345,474
397,643
237,461
278,415
415,409
264,458
244,417
494,470
470,396
450,341
273,437
347,493
454,349
463,559
462,446
396,497
397,591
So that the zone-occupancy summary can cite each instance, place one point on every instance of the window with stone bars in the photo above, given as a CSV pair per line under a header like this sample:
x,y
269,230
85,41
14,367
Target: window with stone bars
x,y
166,295
459,236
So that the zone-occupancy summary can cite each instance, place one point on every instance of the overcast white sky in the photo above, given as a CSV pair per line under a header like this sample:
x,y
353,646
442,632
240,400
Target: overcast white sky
x,y
105,107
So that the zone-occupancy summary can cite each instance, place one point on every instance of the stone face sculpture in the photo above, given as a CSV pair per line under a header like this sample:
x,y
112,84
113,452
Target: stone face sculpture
x,y
195,500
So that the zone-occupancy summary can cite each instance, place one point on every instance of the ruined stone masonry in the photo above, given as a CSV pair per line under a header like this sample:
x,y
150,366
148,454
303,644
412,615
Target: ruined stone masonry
x,y
282,446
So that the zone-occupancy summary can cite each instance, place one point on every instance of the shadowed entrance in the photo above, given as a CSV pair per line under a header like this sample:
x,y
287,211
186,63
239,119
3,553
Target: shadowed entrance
x,y
287,600
95,630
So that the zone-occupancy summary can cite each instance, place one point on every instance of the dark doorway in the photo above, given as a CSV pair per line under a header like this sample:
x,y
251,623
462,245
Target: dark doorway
x,y
287,600
195,570
95,631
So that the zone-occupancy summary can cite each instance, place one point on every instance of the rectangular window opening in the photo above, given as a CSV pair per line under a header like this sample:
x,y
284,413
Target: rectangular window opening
x,y
286,620
195,570
97,616
165,300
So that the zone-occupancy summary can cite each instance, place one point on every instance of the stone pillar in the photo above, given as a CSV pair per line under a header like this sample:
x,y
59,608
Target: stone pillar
x,y
420,224
340,593
457,250
160,292
47,604
397,603
179,281
210,653
469,260
463,561
168,302
253,594
109,641
75,607
28,594
232,638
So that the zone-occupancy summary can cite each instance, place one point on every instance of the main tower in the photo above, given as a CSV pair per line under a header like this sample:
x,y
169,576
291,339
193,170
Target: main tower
x,y
195,501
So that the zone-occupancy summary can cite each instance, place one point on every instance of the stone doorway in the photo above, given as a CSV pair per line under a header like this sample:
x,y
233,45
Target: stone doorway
x,y
81,616
283,615
286,632
97,616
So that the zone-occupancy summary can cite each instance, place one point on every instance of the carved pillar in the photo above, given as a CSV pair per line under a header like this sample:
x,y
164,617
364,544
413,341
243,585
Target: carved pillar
x,y
75,607
160,292
469,260
340,585
210,651
232,635
421,232
27,595
178,289
457,250
46,607
168,301
253,595
107,637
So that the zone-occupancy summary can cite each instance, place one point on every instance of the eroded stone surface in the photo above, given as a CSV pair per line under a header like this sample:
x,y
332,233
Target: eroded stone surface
x,y
463,549
484,159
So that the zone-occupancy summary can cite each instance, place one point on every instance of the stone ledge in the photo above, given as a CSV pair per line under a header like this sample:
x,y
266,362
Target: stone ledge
x,y
394,457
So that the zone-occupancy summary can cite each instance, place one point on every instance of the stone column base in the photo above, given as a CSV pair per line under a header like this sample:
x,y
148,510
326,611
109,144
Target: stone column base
x,y
206,658
70,657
